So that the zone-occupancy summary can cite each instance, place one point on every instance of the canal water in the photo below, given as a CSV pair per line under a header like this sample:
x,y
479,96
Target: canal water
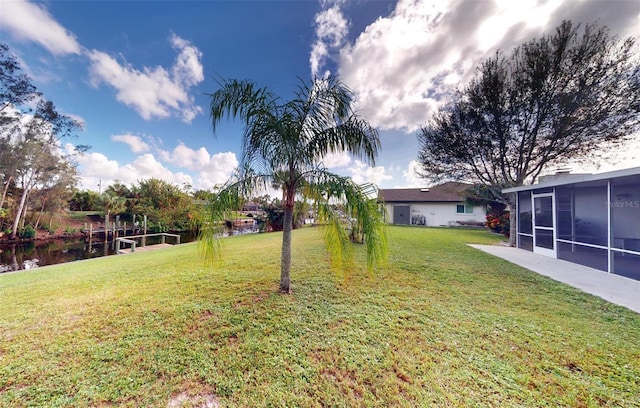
x,y
31,255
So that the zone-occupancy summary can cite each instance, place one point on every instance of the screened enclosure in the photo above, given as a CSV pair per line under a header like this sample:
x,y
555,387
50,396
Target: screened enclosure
x,y
593,220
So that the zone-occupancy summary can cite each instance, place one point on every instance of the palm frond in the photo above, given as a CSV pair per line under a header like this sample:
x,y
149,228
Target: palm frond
x,y
368,215
222,206
354,136
336,236
346,208
241,99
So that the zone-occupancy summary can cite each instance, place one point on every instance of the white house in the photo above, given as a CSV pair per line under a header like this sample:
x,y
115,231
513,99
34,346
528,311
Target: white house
x,y
590,219
441,205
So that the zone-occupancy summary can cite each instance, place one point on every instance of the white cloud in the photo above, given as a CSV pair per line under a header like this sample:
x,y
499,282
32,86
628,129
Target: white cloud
x,y
335,160
402,67
623,156
32,22
331,31
186,157
187,68
362,173
202,170
218,170
146,166
398,64
359,171
98,171
153,92
211,169
136,143
411,177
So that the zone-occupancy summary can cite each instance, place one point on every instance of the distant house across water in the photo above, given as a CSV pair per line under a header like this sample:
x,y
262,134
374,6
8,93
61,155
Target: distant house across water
x,y
250,206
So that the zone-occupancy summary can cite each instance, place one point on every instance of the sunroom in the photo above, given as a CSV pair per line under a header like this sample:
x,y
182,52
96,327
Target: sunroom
x,y
589,219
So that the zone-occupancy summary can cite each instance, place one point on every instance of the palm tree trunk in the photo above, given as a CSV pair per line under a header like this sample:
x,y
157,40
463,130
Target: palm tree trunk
x,y
285,259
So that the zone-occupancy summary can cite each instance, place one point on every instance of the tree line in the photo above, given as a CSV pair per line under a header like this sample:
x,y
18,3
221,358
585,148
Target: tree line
x,y
39,177
36,172
167,207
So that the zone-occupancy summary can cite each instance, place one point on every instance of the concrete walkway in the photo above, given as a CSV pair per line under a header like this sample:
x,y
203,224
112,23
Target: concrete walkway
x,y
612,288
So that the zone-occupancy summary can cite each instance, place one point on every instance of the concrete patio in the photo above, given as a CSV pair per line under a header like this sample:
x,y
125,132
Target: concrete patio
x,y
612,288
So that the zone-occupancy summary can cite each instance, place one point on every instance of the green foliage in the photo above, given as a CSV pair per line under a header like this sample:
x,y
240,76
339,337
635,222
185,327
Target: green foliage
x,y
15,86
85,200
166,206
274,218
112,204
442,325
45,227
28,232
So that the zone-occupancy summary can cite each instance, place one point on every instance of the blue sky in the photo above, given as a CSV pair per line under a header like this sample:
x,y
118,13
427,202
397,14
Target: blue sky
x,y
137,73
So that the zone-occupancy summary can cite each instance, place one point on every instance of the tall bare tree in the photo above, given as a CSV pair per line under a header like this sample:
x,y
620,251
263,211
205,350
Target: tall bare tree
x,y
560,97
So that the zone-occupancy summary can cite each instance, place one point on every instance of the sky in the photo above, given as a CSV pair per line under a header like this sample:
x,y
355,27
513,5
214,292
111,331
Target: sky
x,y
138,73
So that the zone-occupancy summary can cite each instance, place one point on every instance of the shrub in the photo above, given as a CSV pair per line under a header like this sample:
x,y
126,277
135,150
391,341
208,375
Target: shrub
x,y
498,223
28,232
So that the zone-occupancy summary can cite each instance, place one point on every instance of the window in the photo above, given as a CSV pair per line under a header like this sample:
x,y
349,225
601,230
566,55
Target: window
x,y
464,209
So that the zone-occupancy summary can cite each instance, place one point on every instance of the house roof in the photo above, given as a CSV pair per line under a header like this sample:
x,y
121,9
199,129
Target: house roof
x,y
446,192
575,178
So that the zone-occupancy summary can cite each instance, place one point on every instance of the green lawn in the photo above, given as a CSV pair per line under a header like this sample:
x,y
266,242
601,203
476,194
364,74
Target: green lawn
x,y
442,325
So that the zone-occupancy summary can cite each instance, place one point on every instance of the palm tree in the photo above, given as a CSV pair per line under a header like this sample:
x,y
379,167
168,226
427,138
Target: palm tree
x,y
284,144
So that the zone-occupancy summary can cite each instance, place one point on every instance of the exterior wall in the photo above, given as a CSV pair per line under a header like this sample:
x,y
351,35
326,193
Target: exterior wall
x,y
437,214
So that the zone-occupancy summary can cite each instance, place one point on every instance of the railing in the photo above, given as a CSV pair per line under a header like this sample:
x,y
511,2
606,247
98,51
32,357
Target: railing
x,y
131,240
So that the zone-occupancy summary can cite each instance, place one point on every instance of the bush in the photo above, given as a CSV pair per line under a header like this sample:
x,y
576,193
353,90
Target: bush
x,y
51,229
28,232
498,223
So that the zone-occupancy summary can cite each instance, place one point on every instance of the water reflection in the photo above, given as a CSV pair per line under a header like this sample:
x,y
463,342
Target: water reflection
x,y
31,255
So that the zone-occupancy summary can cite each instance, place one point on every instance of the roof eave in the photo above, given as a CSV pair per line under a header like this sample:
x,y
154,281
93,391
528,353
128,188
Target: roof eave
x,y
577,179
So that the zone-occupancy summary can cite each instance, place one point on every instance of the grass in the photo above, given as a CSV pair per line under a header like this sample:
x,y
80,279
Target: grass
x,y
442,325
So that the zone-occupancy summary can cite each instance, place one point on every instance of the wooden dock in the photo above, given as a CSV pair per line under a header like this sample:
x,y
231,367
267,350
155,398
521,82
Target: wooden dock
x,y
109,230
144,248
137,243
